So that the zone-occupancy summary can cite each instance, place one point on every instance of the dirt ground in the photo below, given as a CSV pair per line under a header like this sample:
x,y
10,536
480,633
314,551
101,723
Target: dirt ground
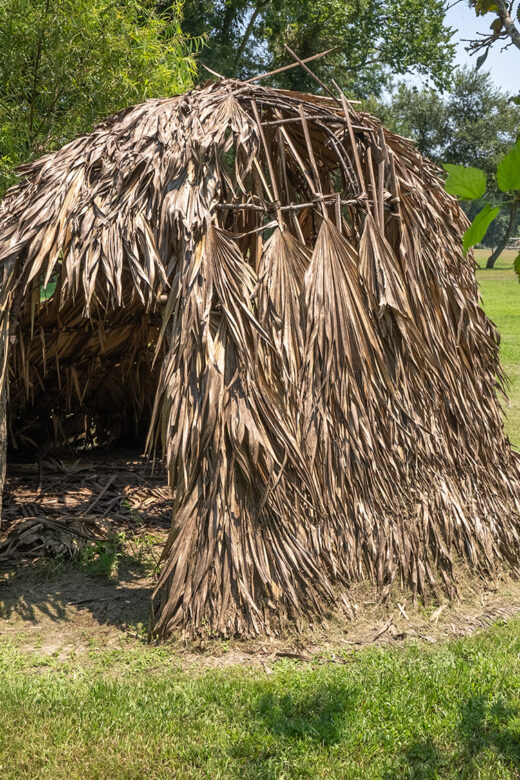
x,y
71,612
63,592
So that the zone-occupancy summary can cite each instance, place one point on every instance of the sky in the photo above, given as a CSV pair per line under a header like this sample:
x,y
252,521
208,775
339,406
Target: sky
x,y
504,66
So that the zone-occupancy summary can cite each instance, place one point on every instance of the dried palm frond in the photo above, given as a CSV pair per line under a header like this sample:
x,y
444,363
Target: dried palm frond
x,y
34,536
275,285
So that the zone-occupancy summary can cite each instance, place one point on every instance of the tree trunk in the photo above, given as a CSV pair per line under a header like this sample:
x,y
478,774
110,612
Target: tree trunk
x,y
505,238
249,30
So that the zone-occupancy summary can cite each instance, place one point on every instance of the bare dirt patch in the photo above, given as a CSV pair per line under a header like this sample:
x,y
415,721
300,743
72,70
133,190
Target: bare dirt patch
x,y
71,612
79,544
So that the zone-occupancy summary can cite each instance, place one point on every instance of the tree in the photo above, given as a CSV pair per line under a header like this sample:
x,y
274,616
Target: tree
x,y
375,39
474,124
419,114
65,64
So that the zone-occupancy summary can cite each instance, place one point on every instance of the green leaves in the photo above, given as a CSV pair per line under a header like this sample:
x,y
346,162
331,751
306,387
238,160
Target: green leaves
x,y
466,182
376,40
65,65
478,228
470,184
484,6
481,60
516,266
508,171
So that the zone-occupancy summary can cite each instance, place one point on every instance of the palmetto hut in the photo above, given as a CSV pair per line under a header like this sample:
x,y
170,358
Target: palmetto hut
x,y
272,286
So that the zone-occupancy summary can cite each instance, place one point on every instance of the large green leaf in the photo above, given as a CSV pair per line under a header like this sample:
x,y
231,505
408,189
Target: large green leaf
x,y
481,60
466,182
479,226
508,171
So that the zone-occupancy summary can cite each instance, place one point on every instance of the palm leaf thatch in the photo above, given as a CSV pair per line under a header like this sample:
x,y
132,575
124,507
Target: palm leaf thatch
x,y
274,284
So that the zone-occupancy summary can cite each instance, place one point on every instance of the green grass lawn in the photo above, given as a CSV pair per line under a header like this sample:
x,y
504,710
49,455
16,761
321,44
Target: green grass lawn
x,y
501,298
449,710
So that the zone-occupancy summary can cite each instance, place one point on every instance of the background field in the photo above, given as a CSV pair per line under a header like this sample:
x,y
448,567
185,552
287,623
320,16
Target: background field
x,y
95,707
501,299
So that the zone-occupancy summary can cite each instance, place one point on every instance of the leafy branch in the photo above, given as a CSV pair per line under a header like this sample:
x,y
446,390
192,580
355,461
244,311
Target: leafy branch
x,y
470,183
502,28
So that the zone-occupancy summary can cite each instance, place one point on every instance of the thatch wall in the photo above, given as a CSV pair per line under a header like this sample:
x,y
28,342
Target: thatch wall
x,y
285,278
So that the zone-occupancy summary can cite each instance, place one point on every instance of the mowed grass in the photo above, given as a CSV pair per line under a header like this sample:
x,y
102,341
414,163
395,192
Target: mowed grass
x,y
450,711
501,299
419,711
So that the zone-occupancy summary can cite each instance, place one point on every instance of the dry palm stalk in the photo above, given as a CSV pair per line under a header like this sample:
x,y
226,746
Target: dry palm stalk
x,y
54,506
324,383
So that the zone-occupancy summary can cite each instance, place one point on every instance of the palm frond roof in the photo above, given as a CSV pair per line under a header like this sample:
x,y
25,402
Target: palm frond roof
x,y
276,284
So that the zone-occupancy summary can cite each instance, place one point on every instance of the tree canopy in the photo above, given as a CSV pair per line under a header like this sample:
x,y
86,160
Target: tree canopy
x,y
474,124
376,39
65,64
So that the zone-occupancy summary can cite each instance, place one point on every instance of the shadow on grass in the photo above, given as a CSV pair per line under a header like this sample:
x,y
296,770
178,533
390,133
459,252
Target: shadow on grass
x,y
318,714
492,728
425,760
495,726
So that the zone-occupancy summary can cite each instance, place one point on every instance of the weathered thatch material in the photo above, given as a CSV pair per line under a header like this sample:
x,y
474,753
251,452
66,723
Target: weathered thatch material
x,y
325,378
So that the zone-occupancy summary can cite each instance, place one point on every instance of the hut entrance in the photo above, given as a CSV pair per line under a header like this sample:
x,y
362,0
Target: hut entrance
x,y
78,413
80,382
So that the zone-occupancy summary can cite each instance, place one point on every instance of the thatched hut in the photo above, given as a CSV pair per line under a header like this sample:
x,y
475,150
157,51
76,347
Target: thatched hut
x,y
273,285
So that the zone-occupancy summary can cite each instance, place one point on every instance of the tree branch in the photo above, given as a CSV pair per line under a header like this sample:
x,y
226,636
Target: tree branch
x,y
509,30
249,30
503,12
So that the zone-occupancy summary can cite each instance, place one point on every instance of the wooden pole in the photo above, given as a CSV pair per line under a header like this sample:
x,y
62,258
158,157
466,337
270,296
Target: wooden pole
x,y
289,67
8,314
3,430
